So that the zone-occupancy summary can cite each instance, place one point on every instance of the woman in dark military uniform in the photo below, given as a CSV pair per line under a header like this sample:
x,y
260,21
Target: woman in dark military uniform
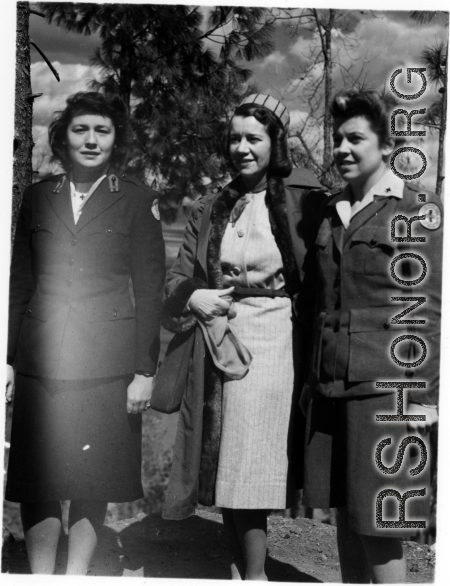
x,y
357,299
86,285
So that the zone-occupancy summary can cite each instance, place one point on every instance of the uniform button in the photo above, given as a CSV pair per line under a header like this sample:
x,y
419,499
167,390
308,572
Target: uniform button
x,y
71,261
69,282
29,312
115,312
386,325
240,233
373,242
236,271
38,225
74,241
108,232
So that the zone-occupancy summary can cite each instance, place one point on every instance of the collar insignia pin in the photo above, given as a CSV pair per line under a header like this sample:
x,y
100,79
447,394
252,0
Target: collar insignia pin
x,y
59,185
155,209
388,190
113,184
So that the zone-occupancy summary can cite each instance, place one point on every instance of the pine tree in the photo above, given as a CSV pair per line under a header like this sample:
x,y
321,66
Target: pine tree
x,y
179,92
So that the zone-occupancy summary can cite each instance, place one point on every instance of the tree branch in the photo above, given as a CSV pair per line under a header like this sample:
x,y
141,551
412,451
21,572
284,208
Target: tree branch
x,y
52,69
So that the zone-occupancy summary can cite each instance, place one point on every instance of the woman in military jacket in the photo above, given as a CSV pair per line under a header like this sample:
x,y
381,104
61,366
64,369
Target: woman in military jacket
x,y
370,275
85,291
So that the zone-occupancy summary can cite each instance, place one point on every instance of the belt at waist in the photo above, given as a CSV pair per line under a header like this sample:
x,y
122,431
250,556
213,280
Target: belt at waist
x,y
258,292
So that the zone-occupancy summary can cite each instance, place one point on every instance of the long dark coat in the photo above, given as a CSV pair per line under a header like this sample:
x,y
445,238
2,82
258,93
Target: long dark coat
x,y
294,214
85,298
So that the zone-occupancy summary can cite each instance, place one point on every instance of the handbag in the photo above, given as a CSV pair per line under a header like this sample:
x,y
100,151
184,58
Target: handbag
x,y
172,376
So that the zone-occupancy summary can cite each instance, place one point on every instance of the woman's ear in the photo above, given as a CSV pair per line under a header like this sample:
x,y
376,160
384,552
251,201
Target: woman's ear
x,y
388,147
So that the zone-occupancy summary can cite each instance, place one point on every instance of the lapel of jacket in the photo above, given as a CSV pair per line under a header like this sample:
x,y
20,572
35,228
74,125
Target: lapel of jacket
x,y
203,240
294,216
102,199
335,222
364,216
60,201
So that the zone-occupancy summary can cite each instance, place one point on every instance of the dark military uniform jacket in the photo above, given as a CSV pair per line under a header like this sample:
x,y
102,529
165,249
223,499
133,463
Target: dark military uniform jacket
x,y
85,298
357,297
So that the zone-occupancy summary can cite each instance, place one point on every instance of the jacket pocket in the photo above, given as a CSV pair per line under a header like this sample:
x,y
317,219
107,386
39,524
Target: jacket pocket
x,y
371,250
371,336
39,310
42,224
109,230
111,240
104,310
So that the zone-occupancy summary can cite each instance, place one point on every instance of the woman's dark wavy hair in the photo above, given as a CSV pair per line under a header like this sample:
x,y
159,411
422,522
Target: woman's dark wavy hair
x,y
368,103
279,163
91,103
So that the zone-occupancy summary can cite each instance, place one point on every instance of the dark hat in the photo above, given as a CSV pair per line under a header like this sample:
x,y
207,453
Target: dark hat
x,y
275,106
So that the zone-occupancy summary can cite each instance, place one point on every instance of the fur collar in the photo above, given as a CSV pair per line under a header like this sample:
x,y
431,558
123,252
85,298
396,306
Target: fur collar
x,y
276,204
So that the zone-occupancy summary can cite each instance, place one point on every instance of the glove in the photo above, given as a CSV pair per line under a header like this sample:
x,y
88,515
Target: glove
x,y
210,303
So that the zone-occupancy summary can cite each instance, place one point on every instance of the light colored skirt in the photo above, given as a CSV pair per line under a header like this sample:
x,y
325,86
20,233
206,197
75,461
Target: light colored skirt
x,y
254,447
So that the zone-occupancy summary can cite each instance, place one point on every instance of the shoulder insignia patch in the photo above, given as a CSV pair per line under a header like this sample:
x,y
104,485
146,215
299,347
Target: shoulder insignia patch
x,y
432,214
155,209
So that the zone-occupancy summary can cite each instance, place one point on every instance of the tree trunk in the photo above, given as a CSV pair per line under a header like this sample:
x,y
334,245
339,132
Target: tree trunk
x,y
328,69
23,112
442,129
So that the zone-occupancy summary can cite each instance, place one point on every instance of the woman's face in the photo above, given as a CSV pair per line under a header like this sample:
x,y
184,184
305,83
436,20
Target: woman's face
x,y
249,146
357,151
90,141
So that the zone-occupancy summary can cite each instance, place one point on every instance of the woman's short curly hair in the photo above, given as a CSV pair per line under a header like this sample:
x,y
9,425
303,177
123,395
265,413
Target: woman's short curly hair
x,y
279,163
91,103
368,103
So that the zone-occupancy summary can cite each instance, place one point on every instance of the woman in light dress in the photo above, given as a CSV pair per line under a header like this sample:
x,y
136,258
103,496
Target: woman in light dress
x,y
242,256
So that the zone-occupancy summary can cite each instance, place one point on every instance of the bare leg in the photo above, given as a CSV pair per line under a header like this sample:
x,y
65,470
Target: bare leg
x,y
42,527
352,554
85,521
251,527
237,565
386,559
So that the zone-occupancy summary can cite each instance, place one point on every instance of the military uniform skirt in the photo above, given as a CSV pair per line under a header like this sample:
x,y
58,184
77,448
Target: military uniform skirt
x,y
341,469
73,440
